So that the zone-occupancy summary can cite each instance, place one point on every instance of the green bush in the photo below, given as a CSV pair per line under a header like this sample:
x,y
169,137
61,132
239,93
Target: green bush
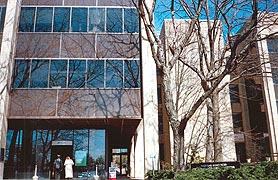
x,y
204,174
254,171
157,175
260,171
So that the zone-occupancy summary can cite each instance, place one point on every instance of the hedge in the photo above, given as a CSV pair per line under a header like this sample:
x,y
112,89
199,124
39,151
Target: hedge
x,y
251,171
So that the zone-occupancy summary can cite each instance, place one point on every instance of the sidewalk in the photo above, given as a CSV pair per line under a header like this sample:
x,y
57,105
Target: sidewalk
x,y
126,178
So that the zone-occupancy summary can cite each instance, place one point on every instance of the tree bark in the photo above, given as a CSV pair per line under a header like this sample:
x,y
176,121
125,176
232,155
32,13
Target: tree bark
x,y
217,144
178,159
209,141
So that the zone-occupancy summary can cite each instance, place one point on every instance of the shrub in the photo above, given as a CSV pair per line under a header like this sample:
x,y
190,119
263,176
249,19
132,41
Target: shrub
x,y
159,175
203,174
255,171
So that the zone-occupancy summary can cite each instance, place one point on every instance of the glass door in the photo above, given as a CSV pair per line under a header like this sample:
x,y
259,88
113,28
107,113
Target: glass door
x,y
120,161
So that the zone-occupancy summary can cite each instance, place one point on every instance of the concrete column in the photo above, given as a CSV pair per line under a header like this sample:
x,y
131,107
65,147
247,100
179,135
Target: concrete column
x,y
226,125
6,63
150,108
146,143
137,154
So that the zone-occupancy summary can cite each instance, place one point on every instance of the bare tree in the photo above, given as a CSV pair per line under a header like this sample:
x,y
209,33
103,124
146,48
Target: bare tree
x,y
207,24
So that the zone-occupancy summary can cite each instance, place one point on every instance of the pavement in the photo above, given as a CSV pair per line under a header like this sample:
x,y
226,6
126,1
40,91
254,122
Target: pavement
x,y
122,178
118,178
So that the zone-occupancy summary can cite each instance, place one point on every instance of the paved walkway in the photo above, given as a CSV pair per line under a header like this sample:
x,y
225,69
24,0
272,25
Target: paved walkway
x,y
118,178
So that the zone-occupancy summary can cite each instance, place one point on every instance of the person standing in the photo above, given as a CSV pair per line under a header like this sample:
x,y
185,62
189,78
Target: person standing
x,y
57,167
68,168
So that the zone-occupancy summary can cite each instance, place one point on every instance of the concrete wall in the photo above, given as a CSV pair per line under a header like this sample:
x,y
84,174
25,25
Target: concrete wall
x,y
6,60
145,144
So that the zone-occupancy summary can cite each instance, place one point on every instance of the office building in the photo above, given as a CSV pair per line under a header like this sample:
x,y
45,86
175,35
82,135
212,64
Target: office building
x,y
254,99
77,78
78,82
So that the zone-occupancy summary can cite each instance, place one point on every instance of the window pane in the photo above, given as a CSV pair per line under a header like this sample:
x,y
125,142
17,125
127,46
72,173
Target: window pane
x,y
26,23
272,45
132,74
114,74
42,150
131,21
79,19
81,140
21,74
44,19
62,135
97,151
237,122
39,74
96,19
234,96
95,74
14,141
2,20
61,19
114,20
58,73
275,75
77,71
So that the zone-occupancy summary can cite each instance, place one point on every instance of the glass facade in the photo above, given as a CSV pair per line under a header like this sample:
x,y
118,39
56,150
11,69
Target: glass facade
x,y
26,147
74,73
78,19
74,63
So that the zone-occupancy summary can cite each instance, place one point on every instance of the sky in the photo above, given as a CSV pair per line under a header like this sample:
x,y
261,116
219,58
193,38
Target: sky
x,y
237,16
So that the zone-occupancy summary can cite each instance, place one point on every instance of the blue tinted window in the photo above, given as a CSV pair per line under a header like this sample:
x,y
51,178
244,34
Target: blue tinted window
x,y
114,20
26,23
58,73
96,19
79,19
77,72
95,74
131,20
44,19
272,45
132,74
39,74
2,20
61,19
234,96
97,148
80,142
63,135
275,75
21,74
114,74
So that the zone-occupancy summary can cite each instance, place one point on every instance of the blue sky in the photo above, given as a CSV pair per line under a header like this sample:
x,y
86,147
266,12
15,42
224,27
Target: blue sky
x,y
237,16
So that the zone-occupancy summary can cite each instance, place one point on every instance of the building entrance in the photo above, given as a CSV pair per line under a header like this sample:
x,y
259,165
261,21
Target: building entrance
x,y
120,161
64,149
30,146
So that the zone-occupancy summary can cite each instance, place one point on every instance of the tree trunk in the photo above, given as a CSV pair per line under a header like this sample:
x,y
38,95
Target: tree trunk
x,y
217,144
209,142
213,142
178,159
